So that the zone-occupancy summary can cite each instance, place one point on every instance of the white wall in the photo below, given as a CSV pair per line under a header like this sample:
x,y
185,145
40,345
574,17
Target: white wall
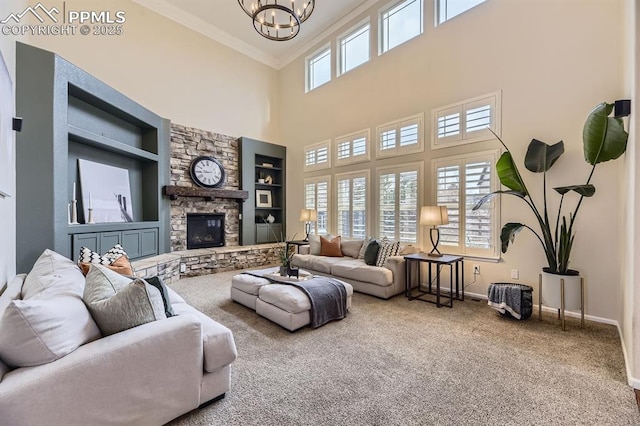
x,y
553,61
174,71
8,205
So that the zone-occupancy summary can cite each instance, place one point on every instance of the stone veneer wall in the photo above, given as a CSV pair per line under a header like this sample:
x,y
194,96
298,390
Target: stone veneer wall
x,y
188,143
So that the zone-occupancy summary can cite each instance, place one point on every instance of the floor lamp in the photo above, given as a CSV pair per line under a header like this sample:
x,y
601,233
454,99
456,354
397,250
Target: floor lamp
x,y
434,216
307,216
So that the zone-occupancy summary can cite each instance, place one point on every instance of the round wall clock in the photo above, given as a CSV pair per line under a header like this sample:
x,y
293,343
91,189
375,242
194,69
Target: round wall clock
x,y
207,172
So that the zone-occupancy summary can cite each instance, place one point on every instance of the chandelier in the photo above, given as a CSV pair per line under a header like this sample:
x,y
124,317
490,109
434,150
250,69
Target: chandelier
x,y
275,21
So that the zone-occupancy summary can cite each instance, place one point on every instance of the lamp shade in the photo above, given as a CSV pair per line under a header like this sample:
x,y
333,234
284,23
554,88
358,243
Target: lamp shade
x,y
434,215
308,215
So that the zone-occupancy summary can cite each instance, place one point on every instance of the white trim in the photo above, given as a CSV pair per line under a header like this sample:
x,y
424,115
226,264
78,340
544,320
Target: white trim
x,y
462,137
316,165
355,28
397,125
176,14
312,56
385,9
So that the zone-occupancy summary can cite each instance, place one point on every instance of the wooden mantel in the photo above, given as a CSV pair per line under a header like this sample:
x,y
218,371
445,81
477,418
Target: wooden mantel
x,y
174,192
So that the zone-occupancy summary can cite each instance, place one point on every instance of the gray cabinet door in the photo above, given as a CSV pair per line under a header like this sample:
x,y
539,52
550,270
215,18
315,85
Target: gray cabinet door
x,y
149,242
90,241
108,240
132,243
268,233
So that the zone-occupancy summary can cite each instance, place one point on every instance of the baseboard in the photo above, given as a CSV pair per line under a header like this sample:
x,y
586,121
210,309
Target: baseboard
x,y
632,381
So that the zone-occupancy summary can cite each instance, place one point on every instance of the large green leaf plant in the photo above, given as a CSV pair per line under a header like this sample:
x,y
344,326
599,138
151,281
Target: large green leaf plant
x,y
604,139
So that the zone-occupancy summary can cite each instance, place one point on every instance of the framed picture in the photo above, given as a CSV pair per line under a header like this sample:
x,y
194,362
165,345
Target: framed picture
x,y
106,190
263,198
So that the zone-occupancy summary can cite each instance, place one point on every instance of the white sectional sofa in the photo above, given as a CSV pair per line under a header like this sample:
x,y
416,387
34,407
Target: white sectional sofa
x,y
145,375
380,281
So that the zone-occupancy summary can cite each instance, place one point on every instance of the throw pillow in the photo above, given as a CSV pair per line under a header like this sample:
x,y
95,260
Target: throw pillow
x,y
12,292
314,245
3,288
36,331
121,265
351,248
54,274
387,249
371,253
118,303
113,255
164,292
330,248
367,241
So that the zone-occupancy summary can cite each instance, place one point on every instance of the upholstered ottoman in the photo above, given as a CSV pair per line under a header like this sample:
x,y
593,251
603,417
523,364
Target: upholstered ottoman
x,y
283,304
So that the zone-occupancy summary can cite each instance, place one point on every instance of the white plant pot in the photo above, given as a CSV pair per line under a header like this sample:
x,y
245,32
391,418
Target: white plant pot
x,y
551,293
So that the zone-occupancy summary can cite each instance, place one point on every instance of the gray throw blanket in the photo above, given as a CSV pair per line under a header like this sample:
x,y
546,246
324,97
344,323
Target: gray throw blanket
x,y
328,296
506,298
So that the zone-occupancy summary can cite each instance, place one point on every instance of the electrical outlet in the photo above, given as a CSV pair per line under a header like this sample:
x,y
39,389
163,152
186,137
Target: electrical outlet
x,y
515,274
476,269
183,268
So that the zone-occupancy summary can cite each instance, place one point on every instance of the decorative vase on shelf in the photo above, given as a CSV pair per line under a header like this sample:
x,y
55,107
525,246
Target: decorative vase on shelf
x,y
271,219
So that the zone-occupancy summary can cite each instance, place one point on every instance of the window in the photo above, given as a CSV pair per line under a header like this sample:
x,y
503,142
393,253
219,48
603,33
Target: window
x,y
353,47
351,190
352,148
317,156
447,9
399,192
460,182
399,22
400,137
316,196
467,121
319,68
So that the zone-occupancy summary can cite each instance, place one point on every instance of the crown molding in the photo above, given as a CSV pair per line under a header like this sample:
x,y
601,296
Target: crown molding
x,y
326,33
196,24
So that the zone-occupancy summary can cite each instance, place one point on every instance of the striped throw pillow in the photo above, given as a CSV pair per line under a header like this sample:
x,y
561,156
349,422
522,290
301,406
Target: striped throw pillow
x,y
387,249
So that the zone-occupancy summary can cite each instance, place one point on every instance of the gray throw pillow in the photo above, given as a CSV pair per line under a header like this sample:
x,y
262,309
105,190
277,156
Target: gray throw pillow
x,y
371,253
157,283
117,303
364,247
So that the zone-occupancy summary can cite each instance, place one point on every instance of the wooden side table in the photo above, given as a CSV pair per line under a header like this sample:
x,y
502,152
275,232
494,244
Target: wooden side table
x,y
425,295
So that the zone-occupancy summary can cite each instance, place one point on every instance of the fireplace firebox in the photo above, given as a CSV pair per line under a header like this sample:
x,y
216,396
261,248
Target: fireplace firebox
x,y
205,230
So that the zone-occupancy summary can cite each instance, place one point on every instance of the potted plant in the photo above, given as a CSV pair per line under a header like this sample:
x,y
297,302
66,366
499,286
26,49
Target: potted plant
x,y
604,139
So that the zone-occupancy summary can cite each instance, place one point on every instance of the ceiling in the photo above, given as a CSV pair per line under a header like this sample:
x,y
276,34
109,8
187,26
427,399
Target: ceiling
x,y
225,22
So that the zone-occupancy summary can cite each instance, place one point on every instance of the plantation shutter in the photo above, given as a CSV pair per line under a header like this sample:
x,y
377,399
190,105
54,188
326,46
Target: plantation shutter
x,y
359,208
322,207
387,206
344,207
408,206
478,233
448,194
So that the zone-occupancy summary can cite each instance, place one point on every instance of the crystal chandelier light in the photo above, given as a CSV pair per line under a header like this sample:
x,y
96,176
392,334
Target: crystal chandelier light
x,y
278,20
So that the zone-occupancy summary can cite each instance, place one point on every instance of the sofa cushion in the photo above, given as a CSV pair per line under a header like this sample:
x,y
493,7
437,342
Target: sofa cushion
x,y
320,264
365,244
38,331
314,245
218,343
54,275
118,303
286,297
115,258
356,269
387,249
351,248
330,248
371,253
12,292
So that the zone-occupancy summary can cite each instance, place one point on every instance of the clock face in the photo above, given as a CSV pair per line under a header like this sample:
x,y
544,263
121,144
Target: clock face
x,y
207,172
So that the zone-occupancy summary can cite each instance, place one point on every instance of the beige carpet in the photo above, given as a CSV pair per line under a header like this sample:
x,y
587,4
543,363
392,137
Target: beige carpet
x,y
397,362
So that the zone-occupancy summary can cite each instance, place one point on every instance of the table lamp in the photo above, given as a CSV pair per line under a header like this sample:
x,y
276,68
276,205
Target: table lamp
x,y
434,216
307,216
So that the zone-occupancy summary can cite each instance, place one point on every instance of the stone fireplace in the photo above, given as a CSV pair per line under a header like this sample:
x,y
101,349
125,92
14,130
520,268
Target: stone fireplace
x,y
205,230
188,143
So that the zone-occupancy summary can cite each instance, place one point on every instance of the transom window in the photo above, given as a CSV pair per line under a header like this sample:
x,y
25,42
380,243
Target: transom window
x,y
319,68
399,190
354,47
317,156
351,190
352,148
447,9
460,182
467,121
399,22
317,196
400,137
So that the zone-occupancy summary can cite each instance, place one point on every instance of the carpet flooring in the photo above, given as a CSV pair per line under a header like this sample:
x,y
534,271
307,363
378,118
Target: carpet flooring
x,y
400,362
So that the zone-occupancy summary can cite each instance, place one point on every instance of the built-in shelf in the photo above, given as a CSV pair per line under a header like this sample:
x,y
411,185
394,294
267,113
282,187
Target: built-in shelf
x,y
113,226
269,185
174,192
107,144
260,166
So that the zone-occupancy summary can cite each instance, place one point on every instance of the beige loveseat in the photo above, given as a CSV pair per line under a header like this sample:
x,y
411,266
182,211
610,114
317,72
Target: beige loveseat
x,y
145,375
380,281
